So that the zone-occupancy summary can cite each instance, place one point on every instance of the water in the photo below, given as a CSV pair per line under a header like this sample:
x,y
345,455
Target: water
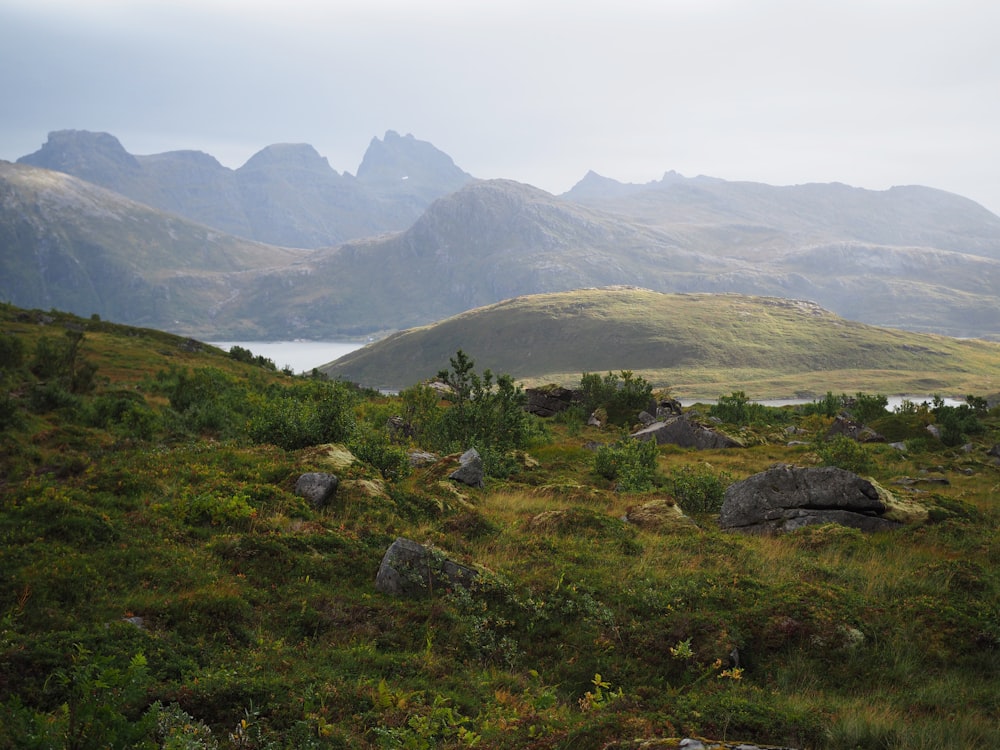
x,y
299,356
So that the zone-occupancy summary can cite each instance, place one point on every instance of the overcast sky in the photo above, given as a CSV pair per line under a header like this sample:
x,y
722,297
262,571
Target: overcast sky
x,y
871,93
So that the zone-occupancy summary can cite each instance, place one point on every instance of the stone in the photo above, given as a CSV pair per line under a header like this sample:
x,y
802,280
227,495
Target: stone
x,y
410,569
317,487
418,459
785,498
470,470
549,400
685,432
854,430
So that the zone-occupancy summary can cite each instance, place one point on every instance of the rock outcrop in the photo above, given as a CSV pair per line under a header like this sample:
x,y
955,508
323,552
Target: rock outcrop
x,y
410,569
549,400
685,432
785,498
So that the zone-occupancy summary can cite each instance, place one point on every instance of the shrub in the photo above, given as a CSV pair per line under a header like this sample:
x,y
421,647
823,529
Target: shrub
x,y
845,453
621,395
867,408
484,415
631,463
375,448
698,489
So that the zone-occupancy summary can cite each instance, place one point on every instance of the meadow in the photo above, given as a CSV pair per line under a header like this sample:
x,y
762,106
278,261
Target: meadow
x,y
163,586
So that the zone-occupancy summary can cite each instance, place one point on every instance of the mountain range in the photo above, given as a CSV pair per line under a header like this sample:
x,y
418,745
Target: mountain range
x,y
412,239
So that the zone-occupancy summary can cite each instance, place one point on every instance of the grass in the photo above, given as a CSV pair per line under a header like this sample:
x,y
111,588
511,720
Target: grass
x,y
698,345
258,608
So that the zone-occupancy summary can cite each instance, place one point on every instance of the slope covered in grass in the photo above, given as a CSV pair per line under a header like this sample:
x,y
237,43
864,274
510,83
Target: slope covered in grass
x,y
700,345
162,585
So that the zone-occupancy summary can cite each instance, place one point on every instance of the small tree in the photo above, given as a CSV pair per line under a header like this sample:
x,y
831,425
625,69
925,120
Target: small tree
x,y
621,395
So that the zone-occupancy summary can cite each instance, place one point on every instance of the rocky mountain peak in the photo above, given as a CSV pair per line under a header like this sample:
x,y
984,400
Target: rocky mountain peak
x,y
97,157
395,160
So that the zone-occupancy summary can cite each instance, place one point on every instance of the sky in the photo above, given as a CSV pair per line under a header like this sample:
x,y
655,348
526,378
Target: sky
x,y
871,93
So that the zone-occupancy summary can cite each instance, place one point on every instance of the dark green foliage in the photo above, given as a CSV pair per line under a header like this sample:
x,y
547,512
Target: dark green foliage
x,y
12,352
60,360
376,448
699,489
738,409
241,354
866,408
630,463
828,406
958,422
845,453
622,395
483,415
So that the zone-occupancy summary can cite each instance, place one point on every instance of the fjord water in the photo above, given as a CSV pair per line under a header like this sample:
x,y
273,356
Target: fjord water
x,y
299,356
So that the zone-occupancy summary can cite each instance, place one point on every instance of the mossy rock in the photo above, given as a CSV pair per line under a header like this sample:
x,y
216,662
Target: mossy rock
x,y
659,513
903,509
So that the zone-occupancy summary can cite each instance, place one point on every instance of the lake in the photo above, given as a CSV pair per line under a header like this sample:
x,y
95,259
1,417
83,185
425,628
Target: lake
x,y
299,356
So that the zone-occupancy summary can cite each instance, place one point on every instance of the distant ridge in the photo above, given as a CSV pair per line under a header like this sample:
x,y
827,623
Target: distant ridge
x,y
700,345
285,194
912,257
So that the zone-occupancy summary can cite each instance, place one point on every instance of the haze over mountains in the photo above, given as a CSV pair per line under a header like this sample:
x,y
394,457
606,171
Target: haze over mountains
x,y
413,239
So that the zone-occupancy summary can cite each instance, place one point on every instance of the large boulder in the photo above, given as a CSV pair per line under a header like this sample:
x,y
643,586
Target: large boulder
x,y
785,498
470,470
685,432
410,569
549,400
317,487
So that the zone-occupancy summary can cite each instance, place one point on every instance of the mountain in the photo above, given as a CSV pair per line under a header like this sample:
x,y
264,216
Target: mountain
x,y
762,219
70,244
909,257
286,194
700,345
497,239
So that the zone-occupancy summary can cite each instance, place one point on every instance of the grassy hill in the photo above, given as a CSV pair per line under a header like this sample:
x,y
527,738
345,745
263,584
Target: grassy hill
x,y
700,345
162,585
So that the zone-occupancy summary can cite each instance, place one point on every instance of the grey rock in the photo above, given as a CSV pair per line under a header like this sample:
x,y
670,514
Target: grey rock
x,y
854,430
934,431
421,458
410,569
317,487
685,432
470,470
550,400
994,451
785,498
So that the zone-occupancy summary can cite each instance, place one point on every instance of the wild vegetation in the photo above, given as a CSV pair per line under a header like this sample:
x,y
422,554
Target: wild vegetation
x,y
163,586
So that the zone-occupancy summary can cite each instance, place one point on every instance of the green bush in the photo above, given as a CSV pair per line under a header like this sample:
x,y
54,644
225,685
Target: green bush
x,y
698,489
630,463
738,409
621,395
845,453
867,407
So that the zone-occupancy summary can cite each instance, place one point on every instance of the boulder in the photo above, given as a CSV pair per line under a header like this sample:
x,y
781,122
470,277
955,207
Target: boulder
x,y
683,431
411,569
854,430
317,487
470,470
421,458
549,400
785,498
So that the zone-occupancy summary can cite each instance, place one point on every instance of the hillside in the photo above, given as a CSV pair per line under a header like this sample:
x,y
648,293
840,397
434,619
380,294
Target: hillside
x,y
169,577
697,344
286,194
